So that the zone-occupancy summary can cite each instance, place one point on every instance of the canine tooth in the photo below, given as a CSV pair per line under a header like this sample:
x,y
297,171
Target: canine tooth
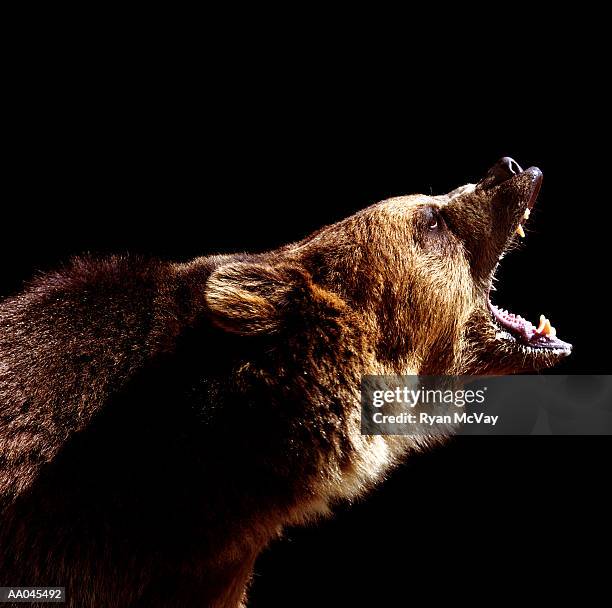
x,y
520,231
545,328
527,213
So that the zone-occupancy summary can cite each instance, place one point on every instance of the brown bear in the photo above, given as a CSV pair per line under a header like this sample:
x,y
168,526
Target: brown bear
x,y
161,423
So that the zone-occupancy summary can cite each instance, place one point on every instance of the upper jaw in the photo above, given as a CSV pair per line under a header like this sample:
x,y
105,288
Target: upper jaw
x,y
513,201
486,216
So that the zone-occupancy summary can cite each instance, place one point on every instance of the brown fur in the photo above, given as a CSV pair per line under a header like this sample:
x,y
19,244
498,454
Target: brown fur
x,y
160,424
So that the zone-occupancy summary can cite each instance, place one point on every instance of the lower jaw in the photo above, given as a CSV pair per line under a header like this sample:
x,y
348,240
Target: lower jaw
x,y
513,329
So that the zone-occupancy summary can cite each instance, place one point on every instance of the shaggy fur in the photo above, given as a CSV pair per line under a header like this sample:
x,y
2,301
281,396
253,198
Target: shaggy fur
x,y
161,423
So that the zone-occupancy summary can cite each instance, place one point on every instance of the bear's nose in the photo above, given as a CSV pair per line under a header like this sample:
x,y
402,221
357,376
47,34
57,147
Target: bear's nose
x,y
503,169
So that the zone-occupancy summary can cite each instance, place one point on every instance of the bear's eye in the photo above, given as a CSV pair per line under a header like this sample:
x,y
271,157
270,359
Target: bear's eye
x,y
433,219
432,232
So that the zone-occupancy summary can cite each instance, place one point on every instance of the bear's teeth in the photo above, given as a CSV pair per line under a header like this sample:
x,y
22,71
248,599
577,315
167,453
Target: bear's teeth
x,y
545,328
520,231
527,213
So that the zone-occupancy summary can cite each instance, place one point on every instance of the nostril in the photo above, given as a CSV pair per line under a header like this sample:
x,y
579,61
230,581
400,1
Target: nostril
x,y
510,165
503,169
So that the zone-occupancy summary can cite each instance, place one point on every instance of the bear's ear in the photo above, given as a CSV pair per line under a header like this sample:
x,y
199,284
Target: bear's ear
x,y
251,298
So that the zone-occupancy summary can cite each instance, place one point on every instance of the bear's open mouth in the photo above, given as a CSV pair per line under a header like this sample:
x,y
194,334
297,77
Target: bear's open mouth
x,y
512,327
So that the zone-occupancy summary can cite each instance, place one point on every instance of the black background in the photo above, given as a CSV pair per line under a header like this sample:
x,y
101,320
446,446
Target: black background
x,y
156,158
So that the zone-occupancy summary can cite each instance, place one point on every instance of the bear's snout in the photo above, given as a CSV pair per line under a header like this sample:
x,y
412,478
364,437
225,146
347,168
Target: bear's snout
x,y
502,170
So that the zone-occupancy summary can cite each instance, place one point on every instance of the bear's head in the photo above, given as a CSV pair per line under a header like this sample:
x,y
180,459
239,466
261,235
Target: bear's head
x,y
400,288
411,276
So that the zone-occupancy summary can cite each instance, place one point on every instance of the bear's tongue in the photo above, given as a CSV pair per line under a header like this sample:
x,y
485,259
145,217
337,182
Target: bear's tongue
x,y
517,325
